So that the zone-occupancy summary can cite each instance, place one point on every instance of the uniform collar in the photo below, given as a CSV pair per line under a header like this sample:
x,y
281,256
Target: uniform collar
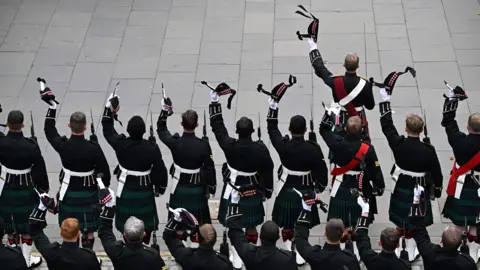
x,y
350,138
188,134
70,244
245,139
12,134
327,246
77,137
413,138
387,254
298,138
350,74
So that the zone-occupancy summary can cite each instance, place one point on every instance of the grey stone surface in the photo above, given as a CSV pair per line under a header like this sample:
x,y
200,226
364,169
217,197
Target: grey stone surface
x,y
83,48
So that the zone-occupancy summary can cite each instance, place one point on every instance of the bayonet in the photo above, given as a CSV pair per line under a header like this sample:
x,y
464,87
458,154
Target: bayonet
x,y
204,126
32,128
92,125
259,130
448,86
116,88
311,135
152,135
163,91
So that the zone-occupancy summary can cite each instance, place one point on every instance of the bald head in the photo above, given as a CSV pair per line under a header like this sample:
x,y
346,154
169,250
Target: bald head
x,y
354,125
474,123
207,236
351,62
451,238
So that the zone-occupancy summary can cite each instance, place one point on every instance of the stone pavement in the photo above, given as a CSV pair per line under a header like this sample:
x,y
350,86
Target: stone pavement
x,y
83,48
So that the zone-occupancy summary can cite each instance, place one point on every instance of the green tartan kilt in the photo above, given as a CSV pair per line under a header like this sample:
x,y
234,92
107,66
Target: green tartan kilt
x,y
80,205
251,208
344,206
287,208
400,204
466,208
16,205
137,203
192,198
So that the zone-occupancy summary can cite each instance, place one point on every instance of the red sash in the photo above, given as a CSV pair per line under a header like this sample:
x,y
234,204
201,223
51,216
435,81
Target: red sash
x,y
452,183
354,162
341,92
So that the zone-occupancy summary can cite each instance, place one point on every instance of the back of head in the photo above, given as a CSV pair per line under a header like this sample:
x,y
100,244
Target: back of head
x,y
2,228
207,236
451,238
189,120
269,233
389,239
78,121
133,230
298,124
354,126
414,124
244,127
474,123
15,120
334,230
136,127
70,230
351,62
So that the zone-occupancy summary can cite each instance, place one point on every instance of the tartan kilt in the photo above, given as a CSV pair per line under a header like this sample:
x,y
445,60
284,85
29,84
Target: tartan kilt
x,y
192,198
345,207
16,205
287,208
251,208
465,208
137,203
401,201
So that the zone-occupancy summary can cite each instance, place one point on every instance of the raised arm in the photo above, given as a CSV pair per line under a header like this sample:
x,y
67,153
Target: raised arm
x,y
42,243
105,233
162,130
245,250
266,173
159,175
369,100
449,122
51,133
367,254
424,245
272,127
388,126
436,172
302,231
218,127
327,125
101,165
178,250
319,66
39,172
208,170
109,132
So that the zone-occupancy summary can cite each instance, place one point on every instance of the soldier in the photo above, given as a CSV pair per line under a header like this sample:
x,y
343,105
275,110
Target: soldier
x,y
330,256
131,253
203,258
355,165
11,257
265,256
389,241
463,201
414,161
23,174
193,170
436,257
303,168
85,169
248,166
141,172
352,92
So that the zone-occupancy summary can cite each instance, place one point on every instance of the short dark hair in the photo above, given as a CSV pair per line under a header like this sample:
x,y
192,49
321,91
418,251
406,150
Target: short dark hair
x,y
207,236
15,120
298,124
351,62
136,127
78,120
389,239
269,233
414,123
334,229
189,119
451,238
474,122
2,227
354,125
244,127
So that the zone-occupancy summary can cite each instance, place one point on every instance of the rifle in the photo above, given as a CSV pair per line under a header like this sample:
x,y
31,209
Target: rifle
x,y
464,248
32,128
93,137
152,135
165,98
311,135
259,130
204,127
154,236
429,186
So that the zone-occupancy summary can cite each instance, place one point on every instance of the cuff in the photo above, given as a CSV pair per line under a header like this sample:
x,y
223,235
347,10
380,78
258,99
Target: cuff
x,y
305,217
272,114
215,109
450,105
51,113
173,226
37,217
107,113
163,115
362,223
212,189
108,213
385,108
314,55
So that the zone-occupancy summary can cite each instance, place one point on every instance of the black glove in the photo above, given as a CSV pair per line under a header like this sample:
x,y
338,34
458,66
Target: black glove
x,y
458,93
378,191
328,119
49,202
437,192
46,94
182,220
167,107
104,196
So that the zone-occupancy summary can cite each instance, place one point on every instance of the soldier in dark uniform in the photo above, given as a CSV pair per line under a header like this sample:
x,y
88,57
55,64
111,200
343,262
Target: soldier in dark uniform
x,y
355,165
132,253
463,201
82,161
389,241
436,257
193,171
202,258
266,256
22,172
330,256
248,165
414,161
352,92
303,168
141,172
11,257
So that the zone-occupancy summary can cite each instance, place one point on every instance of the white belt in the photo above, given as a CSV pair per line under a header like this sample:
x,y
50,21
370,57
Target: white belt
x,y
233,178
176,175
6,170
123,177
285,173
66,180
338,180
399,171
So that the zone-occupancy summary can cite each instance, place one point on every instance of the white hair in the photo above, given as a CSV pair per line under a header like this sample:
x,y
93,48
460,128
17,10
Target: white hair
x,y
134,229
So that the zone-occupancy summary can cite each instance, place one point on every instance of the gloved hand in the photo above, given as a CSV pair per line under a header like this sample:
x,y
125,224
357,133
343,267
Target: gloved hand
x,y
47,203
385,95
417,193
182,219
105,195
273,105
308,199
312,44
214,96
235,197
167,105
108,103
457,93
211,196
111,202
364,205
46,94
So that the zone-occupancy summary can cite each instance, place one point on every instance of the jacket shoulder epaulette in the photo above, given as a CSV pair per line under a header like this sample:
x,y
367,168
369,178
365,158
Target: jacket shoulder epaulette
x,y
338,75
348,252
150,250
88,250
287,253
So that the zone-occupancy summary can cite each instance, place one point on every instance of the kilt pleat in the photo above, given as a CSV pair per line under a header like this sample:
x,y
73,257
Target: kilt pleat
x,y
251,208
16,205
137,203
287,208
192,198
466,208
400,204
80,205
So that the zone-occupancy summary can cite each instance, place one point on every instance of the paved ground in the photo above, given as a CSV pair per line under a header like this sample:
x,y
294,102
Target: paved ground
x,y
83,48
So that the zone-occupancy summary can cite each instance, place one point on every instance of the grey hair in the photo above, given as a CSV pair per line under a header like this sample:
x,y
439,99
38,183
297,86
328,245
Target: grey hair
x,y
134,229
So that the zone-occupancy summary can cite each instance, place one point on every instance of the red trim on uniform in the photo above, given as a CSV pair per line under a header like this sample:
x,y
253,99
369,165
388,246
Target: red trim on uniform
x,y
465,168
27,241
287,235
341,92
252,238
408,233
354,162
